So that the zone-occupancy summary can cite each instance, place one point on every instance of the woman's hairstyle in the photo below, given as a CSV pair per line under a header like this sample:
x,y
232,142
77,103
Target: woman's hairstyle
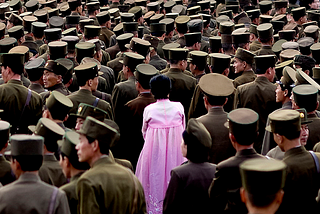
x,y
160,86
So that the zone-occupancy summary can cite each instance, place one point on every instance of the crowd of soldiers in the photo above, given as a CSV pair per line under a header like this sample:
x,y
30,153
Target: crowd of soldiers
x,y
75,80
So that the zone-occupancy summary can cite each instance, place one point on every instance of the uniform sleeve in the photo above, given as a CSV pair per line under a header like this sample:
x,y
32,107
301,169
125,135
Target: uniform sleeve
x,y
218,192
236,102
88,203
62,205
115,102
172,200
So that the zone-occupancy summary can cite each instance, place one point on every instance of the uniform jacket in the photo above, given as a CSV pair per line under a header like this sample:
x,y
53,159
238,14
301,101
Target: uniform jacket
x,y
6,175
13,98
302,182
181,41
204,46
314,134
259,96
254,46
158,62
183,87
214,121
102,95
116,65
105,35
30,195
122,93
225,187
37,88
51,172
160,50
246,76
58,87
188,189
109,188
113,50
108,74
105,57
70,190
265,50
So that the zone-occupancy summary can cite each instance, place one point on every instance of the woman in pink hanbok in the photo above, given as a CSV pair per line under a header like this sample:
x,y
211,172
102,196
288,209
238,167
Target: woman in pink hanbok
x,y
163,124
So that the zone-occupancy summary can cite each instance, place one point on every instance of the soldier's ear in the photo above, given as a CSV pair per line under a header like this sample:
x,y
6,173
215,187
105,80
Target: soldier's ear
x,y
243,195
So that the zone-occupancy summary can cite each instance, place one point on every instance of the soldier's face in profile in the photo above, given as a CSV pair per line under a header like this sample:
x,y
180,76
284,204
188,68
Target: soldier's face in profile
x,y
304,134
50,79
85,149
79,123
280,95
238,65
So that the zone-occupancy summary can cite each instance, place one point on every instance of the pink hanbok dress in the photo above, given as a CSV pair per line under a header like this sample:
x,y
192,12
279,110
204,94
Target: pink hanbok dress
x,y
163,124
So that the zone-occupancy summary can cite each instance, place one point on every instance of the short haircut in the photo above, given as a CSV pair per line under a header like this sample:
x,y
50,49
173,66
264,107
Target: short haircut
x,y
215,100
226,47
174,61
16,68
200,66
51,145
196,152
291,135
157,34
104,146
261,200
264,40
239,45
160,86
29,162
76,164
244,137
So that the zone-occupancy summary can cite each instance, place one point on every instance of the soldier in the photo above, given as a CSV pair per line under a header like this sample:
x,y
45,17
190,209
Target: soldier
x,y
182,28
75,7
14,20
225,187
50,172
242,64
240,38
23,107
306,63
155,60
254,16
34,69
71,167
300,17
93,9
51,35
225,29
113,180
267,195
183,85
133,111
72,41
6,175
37,29
105,23
280,7
265,33
193,41
216,89
169,29
197,63
158,30
29,194
301,186
17,32
263,88
196,26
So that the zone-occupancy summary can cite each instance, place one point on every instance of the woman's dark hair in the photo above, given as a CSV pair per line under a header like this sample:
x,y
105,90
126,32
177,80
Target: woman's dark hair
x,y
160,86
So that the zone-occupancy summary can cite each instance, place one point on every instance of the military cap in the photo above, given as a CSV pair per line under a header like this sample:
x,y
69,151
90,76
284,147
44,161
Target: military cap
x,y
91,31
84,110
315,49
178,54
280,17
22,145
69,65
193,10
58,104
16,32
64,9
114,12
280,4
153,6
242,120
34,69
103,17
288,54
265,31
181,23
4,7
180,9
271,175
55,67
178,1
156,18
71,40
265,19
288,35
68,148
42,15
284,121
53,12
311,23
126,17
140,46
52,34
56,22
265,6
253,13
316,74
169,46
148,15
132,59
85,22
306,62
240,35
58,49
118,29
206,18
169,24
8,59
154,41
245,55
74,4
37,28
124,8
227,13
172,15
124,39
98,130
4,132
169,5
15,4
137,11
289,76
226,27
280,69
15,19
130,26
7,43
312,31
49,4
204,5
232,2
22,15
197,57
195,25
277,26
143,74
219,62
141,3
303,78
27,22
253,29
92,6
305,96
214,84
21,49
84,49
86,71
290,45
70,32
215,43
234,8
2,29
298,12
222,18
305,44
264,62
